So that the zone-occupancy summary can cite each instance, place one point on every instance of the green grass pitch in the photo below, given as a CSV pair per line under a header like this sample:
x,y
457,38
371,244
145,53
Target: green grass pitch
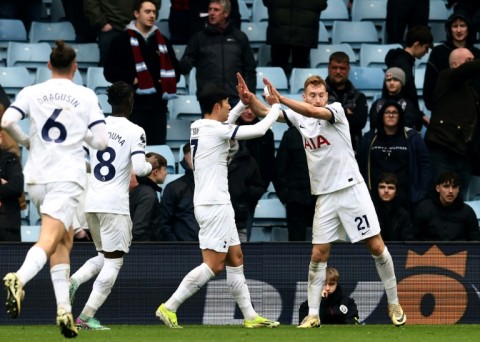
x,y
194,333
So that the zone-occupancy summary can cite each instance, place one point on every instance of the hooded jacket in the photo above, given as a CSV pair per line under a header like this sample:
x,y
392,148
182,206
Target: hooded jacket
x,y
411,114
438,59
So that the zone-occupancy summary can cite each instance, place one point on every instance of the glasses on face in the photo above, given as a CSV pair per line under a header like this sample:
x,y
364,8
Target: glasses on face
x,y
391,112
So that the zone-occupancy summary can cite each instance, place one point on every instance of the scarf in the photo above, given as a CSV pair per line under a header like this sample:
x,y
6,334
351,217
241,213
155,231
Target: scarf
x,y
167,73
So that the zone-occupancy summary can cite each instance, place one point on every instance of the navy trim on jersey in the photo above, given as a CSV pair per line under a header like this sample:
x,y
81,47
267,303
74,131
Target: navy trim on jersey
x,y
21,111
234,133
137,152
96,122
86,150
287,120
332,120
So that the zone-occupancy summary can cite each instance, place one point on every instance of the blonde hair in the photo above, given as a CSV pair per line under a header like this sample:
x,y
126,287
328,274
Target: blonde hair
x,y
332,275
314,80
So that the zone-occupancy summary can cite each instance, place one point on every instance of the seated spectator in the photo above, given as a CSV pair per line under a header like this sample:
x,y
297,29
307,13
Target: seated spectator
x,y
144,203
393,90
177,218
444,216
335,307
11,189
392,147
394,220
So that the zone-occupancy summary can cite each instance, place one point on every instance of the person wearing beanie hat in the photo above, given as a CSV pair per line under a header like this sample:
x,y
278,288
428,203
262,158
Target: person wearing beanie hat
x,y
393,91
392,147
459,34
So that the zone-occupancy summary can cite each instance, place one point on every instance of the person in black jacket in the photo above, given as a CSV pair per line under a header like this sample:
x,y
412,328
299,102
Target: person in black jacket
x,y
292,184
335,307
394,220
144,203
11,188
444,216
177,218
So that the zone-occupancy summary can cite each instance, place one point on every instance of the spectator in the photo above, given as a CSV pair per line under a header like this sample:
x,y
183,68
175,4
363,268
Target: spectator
x,y
8,142
445,217
340,89
292,31
419,39
468,6
405,14
394,82
11,189
335,308
460,33
75,13
245,186
25,10
292,184
452,136
394,148
394,219
143,57
144,203
218,52
177,218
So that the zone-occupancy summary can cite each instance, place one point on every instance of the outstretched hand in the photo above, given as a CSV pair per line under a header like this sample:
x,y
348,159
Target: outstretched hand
x,y
272,96
243,93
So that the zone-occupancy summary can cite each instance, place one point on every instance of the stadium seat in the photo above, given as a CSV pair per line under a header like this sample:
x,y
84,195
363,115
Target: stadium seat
x,y
96,81
185,107
103,102
438,31
473,191
264,56
33,215
374,54
10,30
256,33
278,129
475,204
279,234
336,10
14,79
51,31
179,50
29,55
299,75
44,73
276,75
88,54
245,13
164,11
368,80
371,10
323,34
29,233
270,213
182,88
166,152
419,77
319,57
259,11
270,193
355,33
438,12
178,133
164,28
261,234
192,82
57,12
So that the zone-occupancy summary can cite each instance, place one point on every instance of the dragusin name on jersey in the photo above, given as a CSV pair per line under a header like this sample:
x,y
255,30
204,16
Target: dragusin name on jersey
x,y
59,97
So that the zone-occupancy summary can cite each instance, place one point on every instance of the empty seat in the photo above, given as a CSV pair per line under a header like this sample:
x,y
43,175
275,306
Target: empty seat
x,y
323,34
179,50
374,54
29,55
256,32
103,102
192,82
164,11
355,33
178,133
259,11
88,54
368,80
275,75
182,88
96,80
278,129
336,10
270,212
185,107
419,77
299,75
320,56
29,233
371,10
10,30
245,13
264,56
44,73
166,152
51,31
438,12
14,79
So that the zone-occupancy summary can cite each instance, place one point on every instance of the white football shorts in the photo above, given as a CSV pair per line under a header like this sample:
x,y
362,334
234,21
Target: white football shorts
x,y
110,232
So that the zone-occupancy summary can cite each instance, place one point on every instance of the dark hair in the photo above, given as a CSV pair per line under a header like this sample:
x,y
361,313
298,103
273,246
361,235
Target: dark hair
x,y
448,177
211,95
162,162
62,57
186,148
419,33
339,57
137,4
388,178
119,97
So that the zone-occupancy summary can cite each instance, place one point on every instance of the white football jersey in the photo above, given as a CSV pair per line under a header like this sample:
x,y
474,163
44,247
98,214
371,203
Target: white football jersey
x,y
111,168
61,113
331,161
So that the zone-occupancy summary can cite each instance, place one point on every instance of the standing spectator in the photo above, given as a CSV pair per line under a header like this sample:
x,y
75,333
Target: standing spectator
x,y
460,33
142,57
453,135
25,10
405,14
393,90
55,173
218,52
245,186
394,219
445,217
144,203
292,185
340,89
75,13
292,31
392,147
468,6
11,189
177,218
419,39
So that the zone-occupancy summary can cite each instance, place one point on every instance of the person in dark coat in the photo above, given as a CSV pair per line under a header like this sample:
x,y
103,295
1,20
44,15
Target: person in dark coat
x,y
292,184
293,30
444,216
394,220
144,203
335,307
177,218
11,188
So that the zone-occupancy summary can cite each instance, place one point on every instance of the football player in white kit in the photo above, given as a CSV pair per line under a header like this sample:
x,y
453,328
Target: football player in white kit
x,y
107,202
343,206
218,235
63,115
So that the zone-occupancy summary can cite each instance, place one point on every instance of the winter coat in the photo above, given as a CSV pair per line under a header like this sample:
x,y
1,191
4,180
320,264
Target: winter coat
x,y
395,223
10,219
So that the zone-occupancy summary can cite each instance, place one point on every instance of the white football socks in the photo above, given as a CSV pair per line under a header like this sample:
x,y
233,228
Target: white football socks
x,y
60,274
386,272
88,270
237,284
34,261
317,272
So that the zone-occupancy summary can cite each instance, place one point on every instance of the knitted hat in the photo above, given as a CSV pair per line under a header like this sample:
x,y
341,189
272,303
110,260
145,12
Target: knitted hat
x,y
397,74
